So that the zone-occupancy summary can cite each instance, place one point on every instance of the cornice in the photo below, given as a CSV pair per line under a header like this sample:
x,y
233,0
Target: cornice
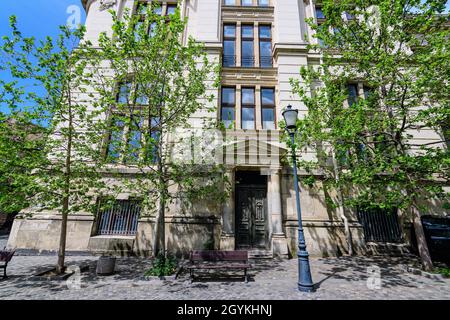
x,y
290,49
249,75
247,14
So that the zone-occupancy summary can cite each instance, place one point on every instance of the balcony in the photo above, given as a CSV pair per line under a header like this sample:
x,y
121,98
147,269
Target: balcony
x,y
229,61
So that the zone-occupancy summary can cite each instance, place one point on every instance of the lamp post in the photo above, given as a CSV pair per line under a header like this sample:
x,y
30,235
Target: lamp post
x,y
305,283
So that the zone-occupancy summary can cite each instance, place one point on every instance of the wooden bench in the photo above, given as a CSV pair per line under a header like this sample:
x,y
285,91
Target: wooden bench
x,y
218,260
5,257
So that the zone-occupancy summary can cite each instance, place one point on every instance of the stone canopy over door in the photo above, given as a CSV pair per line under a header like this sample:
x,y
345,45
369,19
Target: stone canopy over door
x,y
252,227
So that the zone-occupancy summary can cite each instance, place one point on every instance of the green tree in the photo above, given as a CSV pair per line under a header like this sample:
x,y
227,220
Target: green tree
x,y
158,83
50,86
366,144
21,145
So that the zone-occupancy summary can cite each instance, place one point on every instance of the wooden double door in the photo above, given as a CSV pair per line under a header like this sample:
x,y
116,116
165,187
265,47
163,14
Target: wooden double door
x,y
251,217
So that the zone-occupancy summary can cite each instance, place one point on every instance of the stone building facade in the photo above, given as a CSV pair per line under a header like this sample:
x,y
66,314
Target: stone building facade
x,y
262,44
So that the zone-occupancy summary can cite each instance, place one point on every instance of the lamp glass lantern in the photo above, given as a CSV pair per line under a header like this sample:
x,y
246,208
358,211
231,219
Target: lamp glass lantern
x,y
290,117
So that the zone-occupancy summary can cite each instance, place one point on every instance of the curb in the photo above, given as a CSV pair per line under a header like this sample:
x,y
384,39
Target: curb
x,y
434,276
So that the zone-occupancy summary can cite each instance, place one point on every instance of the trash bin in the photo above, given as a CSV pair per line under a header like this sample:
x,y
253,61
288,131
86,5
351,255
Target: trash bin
x,y
106,265
437,234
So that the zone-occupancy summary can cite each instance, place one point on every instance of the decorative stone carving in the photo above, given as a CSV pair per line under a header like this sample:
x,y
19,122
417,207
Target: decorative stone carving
x,y
106,4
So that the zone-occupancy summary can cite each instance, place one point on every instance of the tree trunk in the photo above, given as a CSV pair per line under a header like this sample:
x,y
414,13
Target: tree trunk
x,y
65,210
159,243
60,268
424,253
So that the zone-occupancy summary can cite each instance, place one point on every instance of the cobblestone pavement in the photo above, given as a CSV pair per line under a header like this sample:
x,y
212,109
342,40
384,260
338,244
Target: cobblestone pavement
x,y
336,278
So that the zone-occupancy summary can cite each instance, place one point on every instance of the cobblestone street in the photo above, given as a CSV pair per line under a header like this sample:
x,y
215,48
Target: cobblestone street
x,y
336,278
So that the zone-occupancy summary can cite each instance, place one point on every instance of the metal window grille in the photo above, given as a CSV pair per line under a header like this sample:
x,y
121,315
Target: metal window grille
x,y
229,61
121,218
380,225
266,61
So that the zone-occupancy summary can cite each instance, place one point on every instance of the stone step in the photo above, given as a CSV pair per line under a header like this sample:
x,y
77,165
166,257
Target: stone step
x,y
260,254
393,249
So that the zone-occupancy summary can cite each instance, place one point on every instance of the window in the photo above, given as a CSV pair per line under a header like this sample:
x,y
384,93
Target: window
x,y
229,45
248,108
141,8
320,17
319,40
352,94
126,131
265,46
367,92
228,106
152,141
118,218
248,58
349,16
342,153
247,3
141,97
380,224
319,13
158,10
141,11
115,140
268,108
124,92
134,140
171,9
124,141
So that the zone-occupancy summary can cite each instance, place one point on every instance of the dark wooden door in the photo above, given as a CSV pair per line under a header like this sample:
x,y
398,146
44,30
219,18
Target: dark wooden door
x,y
251,217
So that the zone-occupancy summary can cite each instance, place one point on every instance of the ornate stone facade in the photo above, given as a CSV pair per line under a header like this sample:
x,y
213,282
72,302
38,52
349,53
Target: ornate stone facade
x,y
210,225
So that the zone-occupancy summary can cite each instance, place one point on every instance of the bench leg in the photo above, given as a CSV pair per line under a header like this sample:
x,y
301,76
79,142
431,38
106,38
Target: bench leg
x,y
246,275
191,275
4,272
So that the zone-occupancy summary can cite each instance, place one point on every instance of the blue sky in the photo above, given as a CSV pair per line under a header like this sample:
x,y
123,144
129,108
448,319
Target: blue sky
x,y
38,18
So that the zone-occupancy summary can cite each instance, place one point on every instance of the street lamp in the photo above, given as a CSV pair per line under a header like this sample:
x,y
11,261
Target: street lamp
x,y
305,283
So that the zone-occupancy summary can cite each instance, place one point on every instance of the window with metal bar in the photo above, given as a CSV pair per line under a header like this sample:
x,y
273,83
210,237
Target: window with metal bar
x,y
248,47
248,108
228,106
380,225
229,45
265,46
119,217
268,108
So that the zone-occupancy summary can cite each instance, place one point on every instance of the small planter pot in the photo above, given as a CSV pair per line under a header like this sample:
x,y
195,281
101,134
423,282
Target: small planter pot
x,y
106,265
